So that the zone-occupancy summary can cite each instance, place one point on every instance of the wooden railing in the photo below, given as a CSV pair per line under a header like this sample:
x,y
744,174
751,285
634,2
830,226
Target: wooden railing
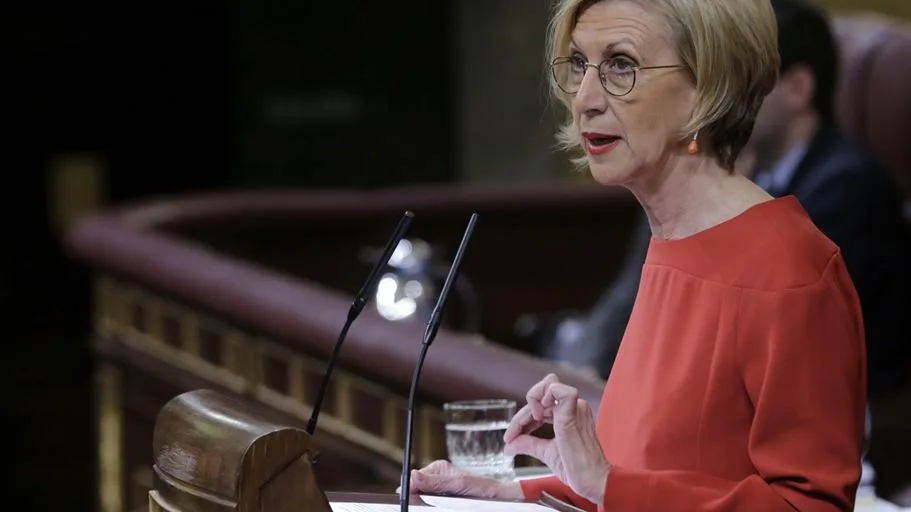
x,y
189,294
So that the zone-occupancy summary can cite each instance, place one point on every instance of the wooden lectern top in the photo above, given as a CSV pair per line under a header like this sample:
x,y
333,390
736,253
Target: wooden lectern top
x,y
212,453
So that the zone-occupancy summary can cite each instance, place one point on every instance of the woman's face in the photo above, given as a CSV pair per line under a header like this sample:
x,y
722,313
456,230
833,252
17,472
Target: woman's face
x,y
629,137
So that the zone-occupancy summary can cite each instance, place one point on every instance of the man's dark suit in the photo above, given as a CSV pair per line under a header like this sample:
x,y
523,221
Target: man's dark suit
x,y
850,199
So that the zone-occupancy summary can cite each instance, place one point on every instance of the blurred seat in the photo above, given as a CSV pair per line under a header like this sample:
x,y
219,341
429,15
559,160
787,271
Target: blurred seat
x,y
874,97
873,104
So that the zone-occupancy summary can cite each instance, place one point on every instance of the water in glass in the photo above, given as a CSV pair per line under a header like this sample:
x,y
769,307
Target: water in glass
x,y
474,436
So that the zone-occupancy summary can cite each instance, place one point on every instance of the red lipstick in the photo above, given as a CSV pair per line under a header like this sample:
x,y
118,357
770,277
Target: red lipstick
x,y
600,143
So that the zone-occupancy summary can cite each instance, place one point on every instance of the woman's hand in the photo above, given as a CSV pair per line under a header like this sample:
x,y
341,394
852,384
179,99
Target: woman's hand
x,y
441,477
574,454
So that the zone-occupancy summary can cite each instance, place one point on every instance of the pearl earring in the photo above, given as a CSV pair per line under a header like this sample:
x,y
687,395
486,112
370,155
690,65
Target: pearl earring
x,y
693,147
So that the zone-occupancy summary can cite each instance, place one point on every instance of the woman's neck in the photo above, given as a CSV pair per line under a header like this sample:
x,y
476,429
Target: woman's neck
x,y
691,194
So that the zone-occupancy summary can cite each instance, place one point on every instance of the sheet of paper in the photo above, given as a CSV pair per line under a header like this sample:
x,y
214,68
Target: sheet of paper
x,y
341,506
877,505
460,504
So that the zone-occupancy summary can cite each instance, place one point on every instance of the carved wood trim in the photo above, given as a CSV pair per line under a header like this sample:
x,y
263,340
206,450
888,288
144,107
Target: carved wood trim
x,y
109,417
129,315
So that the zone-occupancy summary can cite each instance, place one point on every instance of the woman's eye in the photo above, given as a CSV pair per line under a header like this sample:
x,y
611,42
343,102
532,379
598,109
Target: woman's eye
x,y
578,63
621,64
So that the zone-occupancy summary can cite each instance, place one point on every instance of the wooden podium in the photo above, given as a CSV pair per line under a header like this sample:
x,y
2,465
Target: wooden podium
x,y
213,453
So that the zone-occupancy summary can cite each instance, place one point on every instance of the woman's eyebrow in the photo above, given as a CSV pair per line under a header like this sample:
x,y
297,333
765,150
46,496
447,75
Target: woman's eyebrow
x,y
612,47
609,49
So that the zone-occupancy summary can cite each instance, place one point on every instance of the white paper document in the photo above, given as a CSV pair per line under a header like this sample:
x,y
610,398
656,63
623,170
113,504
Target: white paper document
x,y
442,504
874,504
339,506
459,504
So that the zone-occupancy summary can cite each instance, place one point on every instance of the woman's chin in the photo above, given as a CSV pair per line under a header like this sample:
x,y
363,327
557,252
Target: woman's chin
x,y
608,174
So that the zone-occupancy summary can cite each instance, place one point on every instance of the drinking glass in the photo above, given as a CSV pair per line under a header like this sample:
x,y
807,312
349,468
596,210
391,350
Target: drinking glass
x,y
474,436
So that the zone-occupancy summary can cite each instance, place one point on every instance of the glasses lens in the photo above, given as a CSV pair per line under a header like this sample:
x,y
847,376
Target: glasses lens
x,y
568,74
617,81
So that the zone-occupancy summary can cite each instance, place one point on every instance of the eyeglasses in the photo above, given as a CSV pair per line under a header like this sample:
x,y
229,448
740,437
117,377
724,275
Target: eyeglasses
x,y
617,74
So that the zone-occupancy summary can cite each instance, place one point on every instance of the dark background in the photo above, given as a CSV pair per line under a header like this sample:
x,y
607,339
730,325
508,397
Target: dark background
x,y
178,97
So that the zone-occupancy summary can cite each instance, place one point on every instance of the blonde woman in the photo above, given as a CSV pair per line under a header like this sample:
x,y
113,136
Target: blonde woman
x,y
740,382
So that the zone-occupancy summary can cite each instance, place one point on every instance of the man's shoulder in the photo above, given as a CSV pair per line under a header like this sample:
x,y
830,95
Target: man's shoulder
x,y
841,163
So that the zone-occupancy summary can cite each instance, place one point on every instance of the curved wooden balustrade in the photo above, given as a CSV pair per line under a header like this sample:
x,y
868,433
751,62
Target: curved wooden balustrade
x,y
174,313
539,248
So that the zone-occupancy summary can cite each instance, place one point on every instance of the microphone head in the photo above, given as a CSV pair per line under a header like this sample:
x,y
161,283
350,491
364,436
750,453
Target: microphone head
x,y
360,300
433,324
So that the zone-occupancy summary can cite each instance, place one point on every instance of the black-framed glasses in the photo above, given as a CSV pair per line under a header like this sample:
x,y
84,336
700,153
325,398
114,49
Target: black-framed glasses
x,y
617,74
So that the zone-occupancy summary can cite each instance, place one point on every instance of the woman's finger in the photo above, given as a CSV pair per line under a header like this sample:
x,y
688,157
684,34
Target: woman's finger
x,y
536,393
521,423
529,445
518,423
460,484
440,467
561,398
576,438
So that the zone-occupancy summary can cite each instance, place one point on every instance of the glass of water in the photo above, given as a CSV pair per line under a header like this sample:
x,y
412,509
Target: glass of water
x,y
474,436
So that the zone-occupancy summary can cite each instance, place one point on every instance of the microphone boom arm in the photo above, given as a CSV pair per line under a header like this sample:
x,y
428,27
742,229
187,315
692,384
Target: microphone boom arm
x,y
430,332
357,305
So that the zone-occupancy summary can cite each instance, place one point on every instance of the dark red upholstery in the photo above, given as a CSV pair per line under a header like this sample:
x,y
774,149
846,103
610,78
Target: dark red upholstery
x,y
874,96
874,105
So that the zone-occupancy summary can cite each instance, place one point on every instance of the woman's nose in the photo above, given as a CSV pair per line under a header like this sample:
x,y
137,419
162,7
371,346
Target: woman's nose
x,y
591,97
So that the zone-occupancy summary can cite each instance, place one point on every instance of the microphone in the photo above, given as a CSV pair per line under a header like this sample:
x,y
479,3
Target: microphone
x,y
430,332
360,300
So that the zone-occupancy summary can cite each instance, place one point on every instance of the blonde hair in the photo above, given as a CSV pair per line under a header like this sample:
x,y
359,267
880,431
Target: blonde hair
x,y
731,50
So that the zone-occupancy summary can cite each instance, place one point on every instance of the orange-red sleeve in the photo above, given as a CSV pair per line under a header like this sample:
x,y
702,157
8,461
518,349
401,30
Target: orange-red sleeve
x,y
533,487
802,362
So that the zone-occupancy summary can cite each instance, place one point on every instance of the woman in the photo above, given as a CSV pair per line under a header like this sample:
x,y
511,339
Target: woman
x,y
740,381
